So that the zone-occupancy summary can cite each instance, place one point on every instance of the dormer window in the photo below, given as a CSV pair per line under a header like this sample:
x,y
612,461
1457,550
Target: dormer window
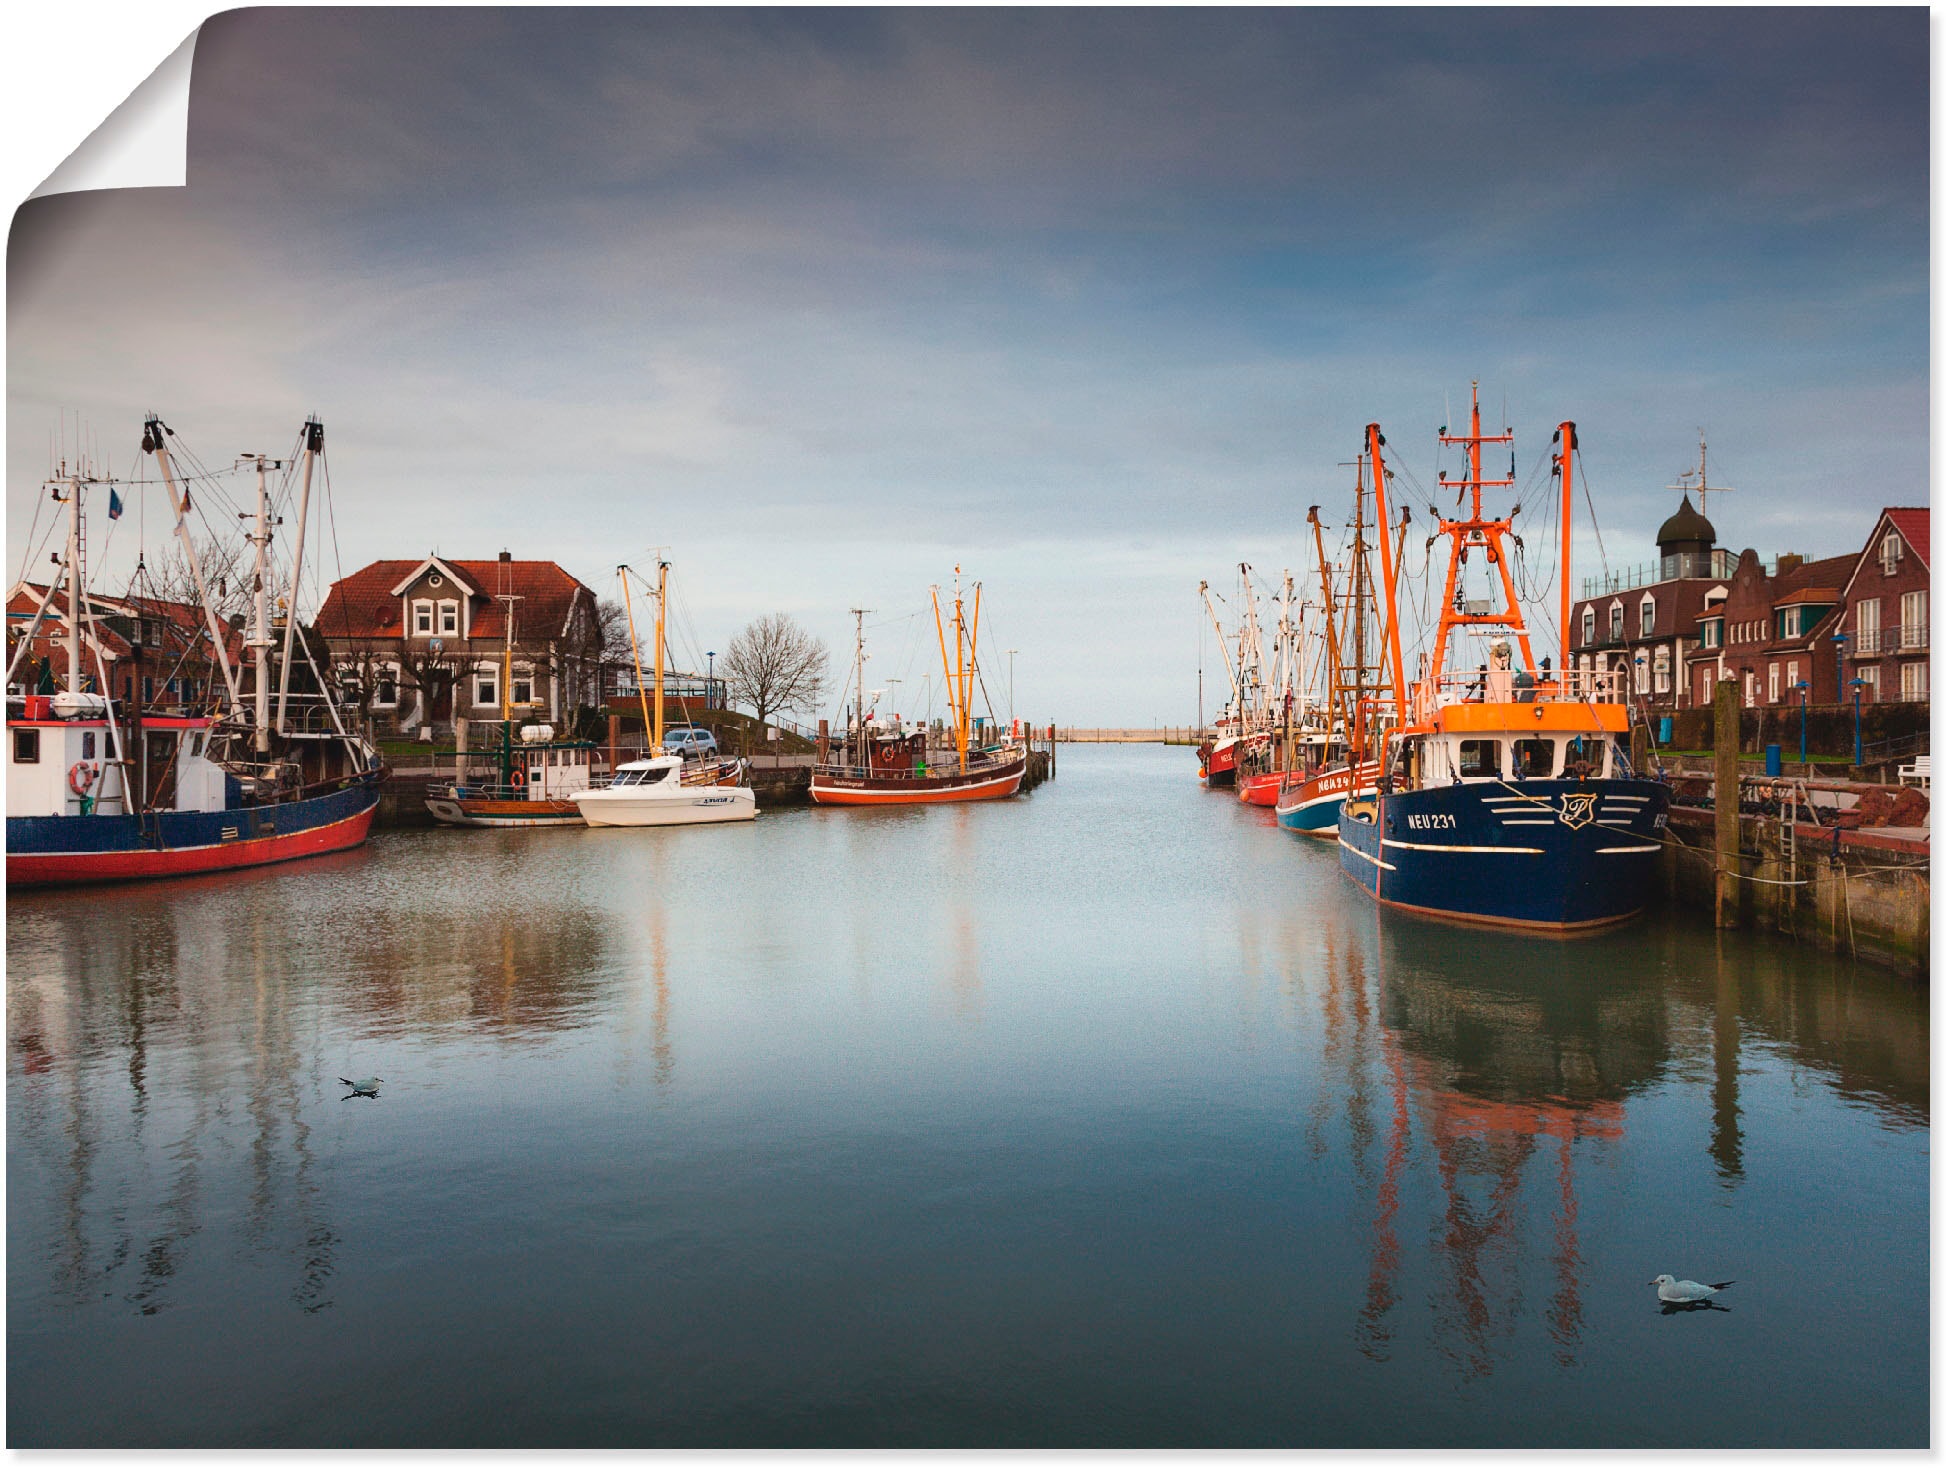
x,y
1648,616
1587,626
1889,551
1615,622
449,619
422,619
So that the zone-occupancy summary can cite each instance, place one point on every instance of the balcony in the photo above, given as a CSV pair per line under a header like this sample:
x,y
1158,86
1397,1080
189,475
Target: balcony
x,y
1913,637
1867,643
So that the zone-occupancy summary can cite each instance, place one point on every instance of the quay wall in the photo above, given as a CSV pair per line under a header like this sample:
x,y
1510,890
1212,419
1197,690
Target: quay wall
x,y
1862,892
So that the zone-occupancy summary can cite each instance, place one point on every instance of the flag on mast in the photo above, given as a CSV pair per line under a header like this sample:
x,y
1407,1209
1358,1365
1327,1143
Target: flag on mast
x,y
114,504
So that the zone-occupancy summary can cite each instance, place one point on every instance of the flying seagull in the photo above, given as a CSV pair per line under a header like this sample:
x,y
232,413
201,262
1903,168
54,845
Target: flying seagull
x,y
1673,1291
369,1087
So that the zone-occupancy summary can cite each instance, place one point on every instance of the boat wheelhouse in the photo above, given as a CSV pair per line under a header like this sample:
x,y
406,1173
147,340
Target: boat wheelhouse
x,y
534,785
1507,795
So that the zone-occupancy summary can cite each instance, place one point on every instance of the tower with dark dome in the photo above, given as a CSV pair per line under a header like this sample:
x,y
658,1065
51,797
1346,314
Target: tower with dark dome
x,y
1686,541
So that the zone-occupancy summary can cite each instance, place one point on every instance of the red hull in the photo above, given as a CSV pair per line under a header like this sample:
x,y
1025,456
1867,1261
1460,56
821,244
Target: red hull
x,y
43,870
1219,763
1260,789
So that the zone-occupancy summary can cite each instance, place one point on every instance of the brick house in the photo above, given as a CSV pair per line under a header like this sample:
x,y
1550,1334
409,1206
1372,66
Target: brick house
x,y
1887,610
157,653
1644,622
1772,631
417,643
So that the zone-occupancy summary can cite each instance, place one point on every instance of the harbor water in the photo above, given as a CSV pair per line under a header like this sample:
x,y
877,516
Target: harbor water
x,y
1107,1115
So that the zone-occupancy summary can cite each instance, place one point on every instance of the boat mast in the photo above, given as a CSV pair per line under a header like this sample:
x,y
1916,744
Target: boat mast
x,y
261,641
858,671
155,441
1229,670
1564,466
635,652
661,606
74,583
313,436
1334,664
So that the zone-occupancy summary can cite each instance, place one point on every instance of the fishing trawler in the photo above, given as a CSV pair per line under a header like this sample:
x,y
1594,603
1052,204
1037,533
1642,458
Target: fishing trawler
x,y
1343,762
1507,796
664,789
1216,756
880,765
101,790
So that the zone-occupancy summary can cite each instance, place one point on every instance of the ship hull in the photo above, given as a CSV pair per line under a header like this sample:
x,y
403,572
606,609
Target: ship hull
x,y
693,805
1556,855
1310,807
49,851
464,810
1260,789
1219,763
833,787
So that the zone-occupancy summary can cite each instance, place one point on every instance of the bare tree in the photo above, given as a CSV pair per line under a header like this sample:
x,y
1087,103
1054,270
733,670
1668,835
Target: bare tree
x,y
775,666
614,650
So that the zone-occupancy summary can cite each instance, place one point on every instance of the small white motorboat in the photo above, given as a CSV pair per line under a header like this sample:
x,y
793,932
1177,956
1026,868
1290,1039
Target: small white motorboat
x,y
658,792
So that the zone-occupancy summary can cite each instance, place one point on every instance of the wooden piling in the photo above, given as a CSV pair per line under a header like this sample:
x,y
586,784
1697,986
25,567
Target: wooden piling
x,y
614,741
1729,792
824,741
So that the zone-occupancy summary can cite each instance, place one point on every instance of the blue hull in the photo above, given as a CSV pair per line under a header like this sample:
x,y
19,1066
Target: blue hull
x,y
1554,854
1317,819
49,850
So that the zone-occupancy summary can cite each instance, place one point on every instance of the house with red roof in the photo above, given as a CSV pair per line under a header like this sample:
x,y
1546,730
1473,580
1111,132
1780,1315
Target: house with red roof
x,y
1770,632
1888,610
418,643
156,654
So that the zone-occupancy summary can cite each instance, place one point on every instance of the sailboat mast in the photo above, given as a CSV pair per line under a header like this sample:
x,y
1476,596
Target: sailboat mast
x,y
858,671
959,661
154,440
1564,466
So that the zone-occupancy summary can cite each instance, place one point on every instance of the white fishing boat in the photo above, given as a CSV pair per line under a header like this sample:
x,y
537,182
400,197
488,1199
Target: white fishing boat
x,y
665,789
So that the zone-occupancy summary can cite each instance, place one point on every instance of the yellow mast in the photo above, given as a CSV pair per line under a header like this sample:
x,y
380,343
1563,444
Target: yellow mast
x,y
635,651
661,602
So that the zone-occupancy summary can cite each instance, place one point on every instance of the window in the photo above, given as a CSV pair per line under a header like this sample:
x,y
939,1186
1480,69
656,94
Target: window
x,y
523,687
1913,614
1864,626
1773,682
1712,631
486,688
1587,626
1615,622
1662,670
195,745
27,744
422,619
1749,687
1912,682
1868,675
1648,616
1789,621
1479,758
88,744
1533,759
1790,676
1708,692
1889,551
449,619
385,693
1642,675
1585,757
148,688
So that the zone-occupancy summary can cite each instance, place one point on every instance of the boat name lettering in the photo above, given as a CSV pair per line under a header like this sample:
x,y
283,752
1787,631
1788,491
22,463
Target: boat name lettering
x,y
1432,822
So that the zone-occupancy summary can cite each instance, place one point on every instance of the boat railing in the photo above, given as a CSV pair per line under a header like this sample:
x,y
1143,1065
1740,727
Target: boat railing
x,y
977,761
1508,685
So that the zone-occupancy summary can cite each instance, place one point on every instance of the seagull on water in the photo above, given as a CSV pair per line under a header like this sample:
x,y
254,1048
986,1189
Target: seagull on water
x,y
369,1087
1673,1291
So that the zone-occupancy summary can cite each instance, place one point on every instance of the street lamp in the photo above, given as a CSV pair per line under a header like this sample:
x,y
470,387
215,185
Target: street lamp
x,y
1838,641
1803,722
1857,723
709,687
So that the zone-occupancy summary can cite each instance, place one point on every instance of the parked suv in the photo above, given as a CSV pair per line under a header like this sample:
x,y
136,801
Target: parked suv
x,y
689,741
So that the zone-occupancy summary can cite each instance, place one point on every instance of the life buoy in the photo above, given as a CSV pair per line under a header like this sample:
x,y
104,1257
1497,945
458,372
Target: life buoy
x,y
82,777
519,778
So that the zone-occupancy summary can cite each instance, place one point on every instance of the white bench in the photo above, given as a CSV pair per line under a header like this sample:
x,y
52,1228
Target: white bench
x,y
1919,772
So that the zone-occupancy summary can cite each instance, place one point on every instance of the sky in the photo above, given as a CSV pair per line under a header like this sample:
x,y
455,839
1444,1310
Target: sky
x,y
1093,303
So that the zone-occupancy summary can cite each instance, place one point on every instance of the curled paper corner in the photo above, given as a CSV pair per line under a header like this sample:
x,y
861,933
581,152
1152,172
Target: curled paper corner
x,y
142,144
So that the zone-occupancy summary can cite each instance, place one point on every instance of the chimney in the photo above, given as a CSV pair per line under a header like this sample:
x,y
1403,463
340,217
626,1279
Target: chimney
x,y
506,557
1788,562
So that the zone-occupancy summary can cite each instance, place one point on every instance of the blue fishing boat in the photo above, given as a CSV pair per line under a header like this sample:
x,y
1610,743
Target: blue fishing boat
x,y
1506,796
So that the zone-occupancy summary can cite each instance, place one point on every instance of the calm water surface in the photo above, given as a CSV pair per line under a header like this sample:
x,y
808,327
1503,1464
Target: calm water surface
x,y
1107,1115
